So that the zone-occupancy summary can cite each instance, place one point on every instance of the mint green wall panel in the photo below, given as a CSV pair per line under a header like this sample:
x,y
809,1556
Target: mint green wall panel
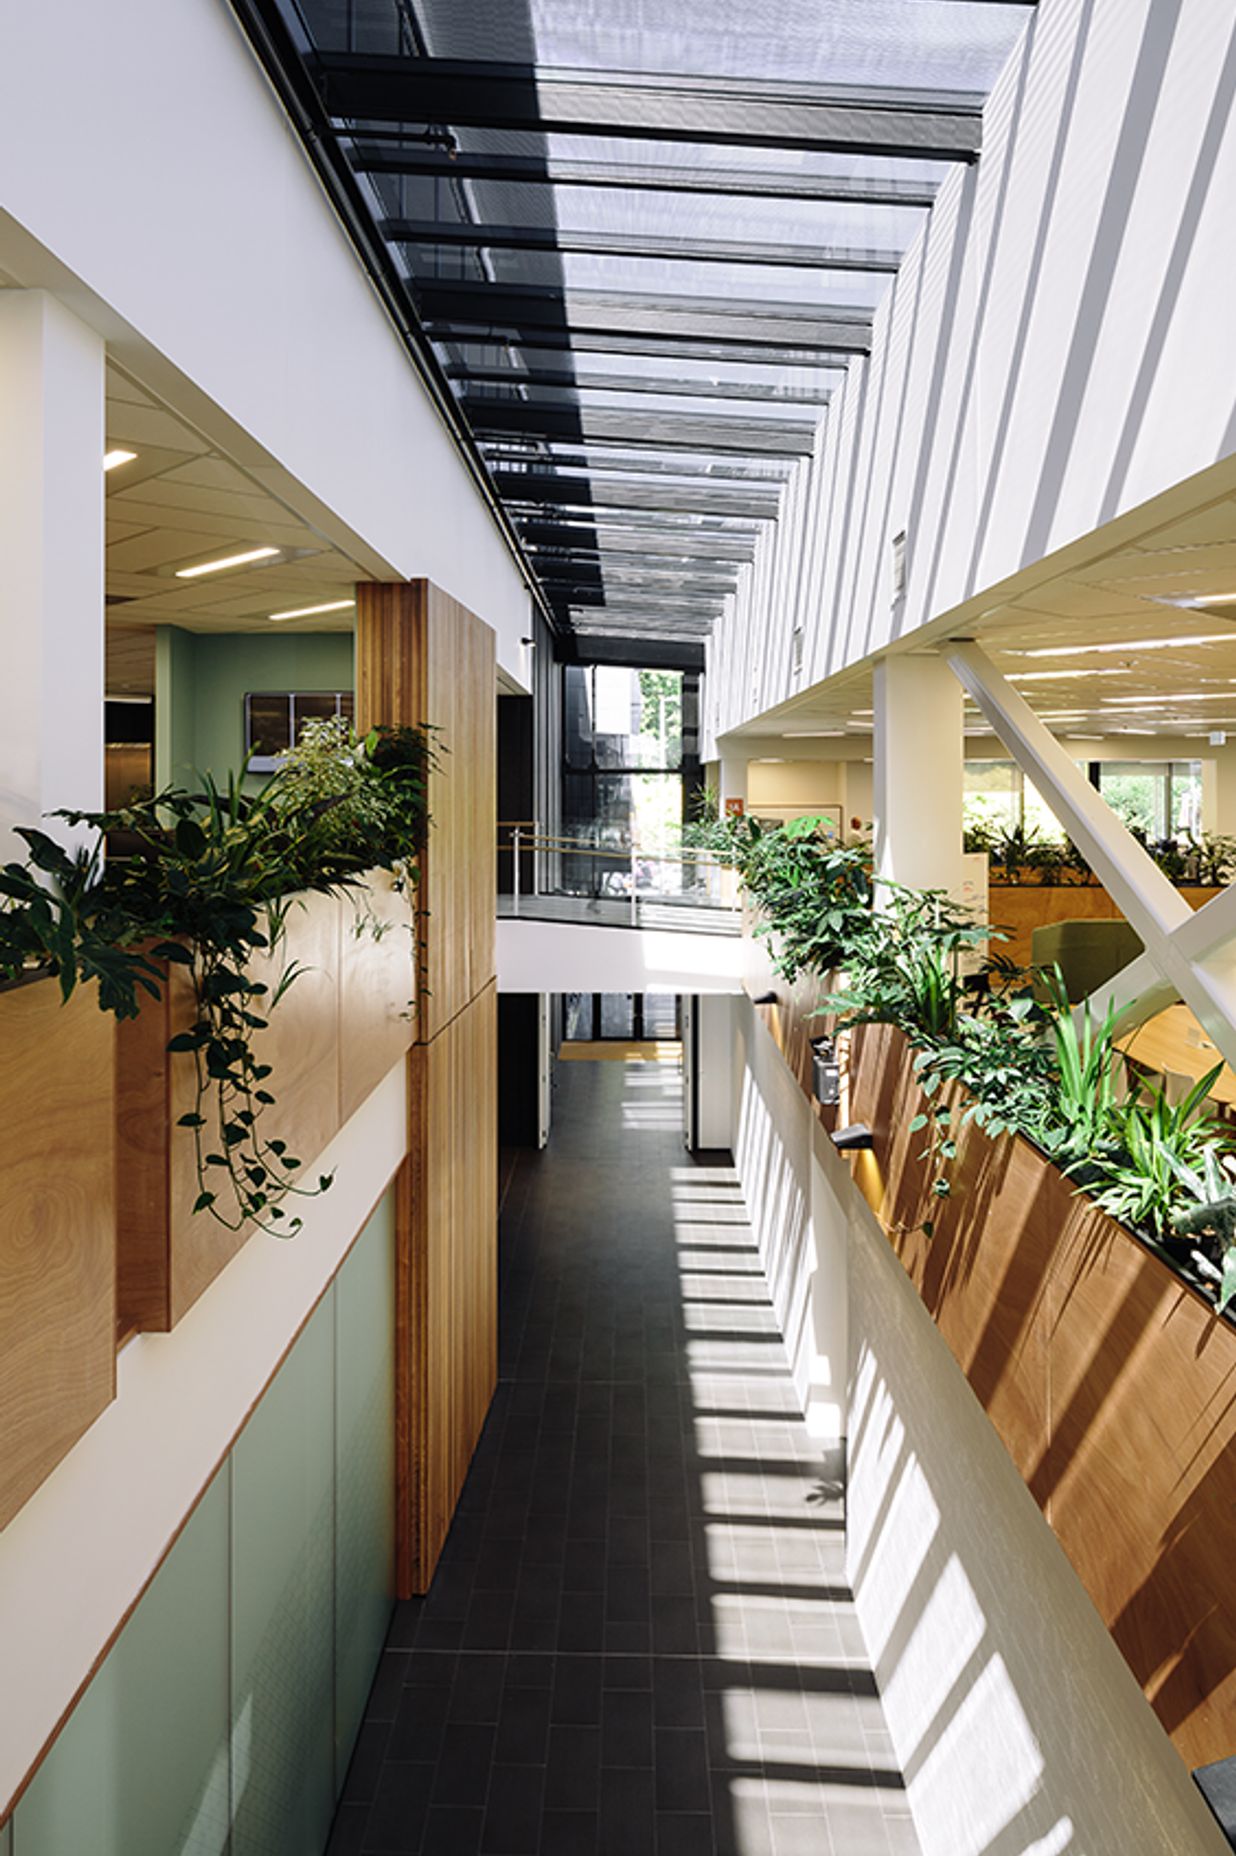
x,y
6,1840
175,756
365,1456
141,1767
283,1525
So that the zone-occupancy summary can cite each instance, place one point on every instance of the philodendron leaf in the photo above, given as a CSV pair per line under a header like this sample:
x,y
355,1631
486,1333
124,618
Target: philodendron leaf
x,y
920,1121
1227,1288
203,1201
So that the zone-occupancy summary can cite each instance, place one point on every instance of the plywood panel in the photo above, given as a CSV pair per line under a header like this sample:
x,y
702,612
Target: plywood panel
x,y
448,1277
377,1003
57,1230
301,1044
337,1031
1112,1384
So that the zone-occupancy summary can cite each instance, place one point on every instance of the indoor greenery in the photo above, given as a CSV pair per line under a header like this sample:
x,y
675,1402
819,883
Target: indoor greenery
x,y
1019,854
204,881
1029,1066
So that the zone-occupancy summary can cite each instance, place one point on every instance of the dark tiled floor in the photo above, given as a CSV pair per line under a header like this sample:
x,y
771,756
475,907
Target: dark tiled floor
x,y
639,1638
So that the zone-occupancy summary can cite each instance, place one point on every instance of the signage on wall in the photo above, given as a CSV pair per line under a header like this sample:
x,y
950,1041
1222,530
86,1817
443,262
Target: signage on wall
x,y
734,808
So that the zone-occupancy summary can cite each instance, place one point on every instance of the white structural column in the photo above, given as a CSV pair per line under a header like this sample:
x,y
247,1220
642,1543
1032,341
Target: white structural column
x,y
732,776
51,561
1188,955
919,748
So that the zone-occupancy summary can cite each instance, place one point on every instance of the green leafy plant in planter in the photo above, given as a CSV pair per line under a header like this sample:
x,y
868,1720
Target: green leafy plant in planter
x,y
205,887
1209,1215
813,892
1152,1145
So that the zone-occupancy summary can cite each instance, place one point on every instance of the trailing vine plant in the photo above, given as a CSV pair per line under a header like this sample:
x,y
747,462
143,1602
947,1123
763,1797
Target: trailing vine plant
x,y
202,883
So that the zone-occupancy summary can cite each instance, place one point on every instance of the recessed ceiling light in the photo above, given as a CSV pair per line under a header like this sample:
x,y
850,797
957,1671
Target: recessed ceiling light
x,y
118,456
769,760
309,612
809,734
1135,731
1128,644
226,560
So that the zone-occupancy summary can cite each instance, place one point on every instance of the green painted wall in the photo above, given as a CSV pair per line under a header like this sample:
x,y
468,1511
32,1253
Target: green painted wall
x,y
225,1714
201,679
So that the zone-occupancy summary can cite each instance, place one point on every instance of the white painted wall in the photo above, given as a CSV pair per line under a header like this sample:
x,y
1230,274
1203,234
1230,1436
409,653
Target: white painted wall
x,y
1054,351
783,1158
75,1559
51,564
1015,1719
543,956
180,217
714,1084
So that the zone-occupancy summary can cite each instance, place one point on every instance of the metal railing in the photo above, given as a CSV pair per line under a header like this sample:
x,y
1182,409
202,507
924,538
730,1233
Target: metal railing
x,y
642,882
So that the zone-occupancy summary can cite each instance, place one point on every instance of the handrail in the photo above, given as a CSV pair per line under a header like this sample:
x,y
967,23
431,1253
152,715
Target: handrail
x,y
583,847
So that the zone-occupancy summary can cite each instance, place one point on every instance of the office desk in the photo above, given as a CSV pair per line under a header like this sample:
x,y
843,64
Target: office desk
x,y
1173,1040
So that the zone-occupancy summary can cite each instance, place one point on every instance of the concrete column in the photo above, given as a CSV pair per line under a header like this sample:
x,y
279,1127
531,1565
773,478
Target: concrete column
x,y
1219,791
919,749
733,769
51,562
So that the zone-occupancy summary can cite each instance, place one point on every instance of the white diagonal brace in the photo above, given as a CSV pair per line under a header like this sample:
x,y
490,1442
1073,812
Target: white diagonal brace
x,y
1148,901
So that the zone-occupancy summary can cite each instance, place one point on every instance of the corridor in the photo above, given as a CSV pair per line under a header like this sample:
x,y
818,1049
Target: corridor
x,y
639,1638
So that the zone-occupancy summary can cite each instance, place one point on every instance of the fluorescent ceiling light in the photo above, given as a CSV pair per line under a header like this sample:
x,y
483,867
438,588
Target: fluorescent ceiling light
x,y
1053,676
1165,698
309,612
1129,644
1062,715
226,560
1135,731
808,734
769,760
1212,599
118,456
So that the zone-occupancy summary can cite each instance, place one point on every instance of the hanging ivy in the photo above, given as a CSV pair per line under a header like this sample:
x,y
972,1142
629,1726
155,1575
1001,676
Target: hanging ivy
x,y
200,882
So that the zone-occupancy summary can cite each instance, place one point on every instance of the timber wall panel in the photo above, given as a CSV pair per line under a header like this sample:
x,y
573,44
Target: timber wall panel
x,y
423,659
1110,1381
449,1278
57,1230
1020,908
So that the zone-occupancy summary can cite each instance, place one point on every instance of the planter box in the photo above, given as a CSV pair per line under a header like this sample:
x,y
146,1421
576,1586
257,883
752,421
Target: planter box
x,y
340,1027
1111,1382
57,1230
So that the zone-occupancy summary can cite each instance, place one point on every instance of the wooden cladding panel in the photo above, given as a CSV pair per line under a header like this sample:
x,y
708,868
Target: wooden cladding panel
x,y
422,658
1111,1383
448,1278
1020,908
337,1031
57,1230
377,988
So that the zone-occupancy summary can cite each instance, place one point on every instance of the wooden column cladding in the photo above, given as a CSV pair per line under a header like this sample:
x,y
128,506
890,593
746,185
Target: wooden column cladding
x,y
422,658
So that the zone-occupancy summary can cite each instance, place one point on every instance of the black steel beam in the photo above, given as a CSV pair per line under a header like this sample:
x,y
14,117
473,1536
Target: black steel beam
x,y
651,653
597,593
503,456
371,87
372,156
775,438
517,487
670,388
647,347
458,235
551,314
611,536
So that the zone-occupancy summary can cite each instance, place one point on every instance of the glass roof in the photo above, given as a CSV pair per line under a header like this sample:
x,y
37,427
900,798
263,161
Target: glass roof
x,y
646,240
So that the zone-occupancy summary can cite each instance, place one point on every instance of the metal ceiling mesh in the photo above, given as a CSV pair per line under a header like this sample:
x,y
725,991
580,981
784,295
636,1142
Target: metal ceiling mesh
x,y
644,330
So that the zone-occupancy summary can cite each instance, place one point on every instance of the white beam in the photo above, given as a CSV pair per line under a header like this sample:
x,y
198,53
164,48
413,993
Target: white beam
x,y
1197,963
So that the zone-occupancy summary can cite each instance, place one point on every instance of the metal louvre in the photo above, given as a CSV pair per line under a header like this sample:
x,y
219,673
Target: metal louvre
x,y
633,246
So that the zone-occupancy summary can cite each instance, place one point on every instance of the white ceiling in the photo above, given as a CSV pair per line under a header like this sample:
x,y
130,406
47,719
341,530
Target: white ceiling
x,y
1153,587
179,502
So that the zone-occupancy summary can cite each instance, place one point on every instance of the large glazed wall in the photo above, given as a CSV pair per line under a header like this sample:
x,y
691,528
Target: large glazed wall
x,y
219,275
1015,1719
1047,357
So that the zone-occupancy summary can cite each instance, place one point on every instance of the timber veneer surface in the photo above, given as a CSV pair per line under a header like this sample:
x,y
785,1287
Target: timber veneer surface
x,y
57,1230
1111,1382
